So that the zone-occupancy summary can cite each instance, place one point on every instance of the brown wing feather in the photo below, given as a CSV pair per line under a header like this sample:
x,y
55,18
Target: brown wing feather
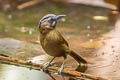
x,y
63,40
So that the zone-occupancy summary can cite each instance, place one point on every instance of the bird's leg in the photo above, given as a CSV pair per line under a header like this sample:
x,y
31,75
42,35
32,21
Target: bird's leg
x,y
61,67
48,64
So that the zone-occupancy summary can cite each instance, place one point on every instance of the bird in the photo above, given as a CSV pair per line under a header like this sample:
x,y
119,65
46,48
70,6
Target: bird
x,y
53,43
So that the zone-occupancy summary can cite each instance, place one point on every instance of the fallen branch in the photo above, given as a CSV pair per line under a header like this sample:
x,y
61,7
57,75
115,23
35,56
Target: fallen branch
x,y
13,61
29,3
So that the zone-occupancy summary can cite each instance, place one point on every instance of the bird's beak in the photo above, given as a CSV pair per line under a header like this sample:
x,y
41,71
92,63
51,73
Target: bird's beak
x,y
59,16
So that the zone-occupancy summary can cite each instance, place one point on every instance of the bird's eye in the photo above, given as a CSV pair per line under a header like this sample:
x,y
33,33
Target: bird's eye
x,y
52,19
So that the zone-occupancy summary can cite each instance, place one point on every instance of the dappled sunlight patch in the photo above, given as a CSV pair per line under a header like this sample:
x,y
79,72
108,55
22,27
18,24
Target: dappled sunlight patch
x,y
91,44
102,18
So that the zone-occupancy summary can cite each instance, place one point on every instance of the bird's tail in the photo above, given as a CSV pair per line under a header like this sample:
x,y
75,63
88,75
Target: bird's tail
x,y
77,57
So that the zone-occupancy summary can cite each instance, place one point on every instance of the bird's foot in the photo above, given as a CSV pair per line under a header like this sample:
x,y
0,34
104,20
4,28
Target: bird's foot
x,y
45,68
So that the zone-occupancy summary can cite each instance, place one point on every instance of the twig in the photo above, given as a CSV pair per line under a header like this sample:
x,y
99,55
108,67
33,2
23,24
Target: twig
x,y
13,61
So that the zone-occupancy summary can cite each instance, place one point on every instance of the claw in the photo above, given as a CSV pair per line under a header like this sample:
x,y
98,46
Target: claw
x,y
45,68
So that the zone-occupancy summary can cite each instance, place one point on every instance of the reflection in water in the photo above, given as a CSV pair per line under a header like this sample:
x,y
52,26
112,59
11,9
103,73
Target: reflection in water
x,y
8,72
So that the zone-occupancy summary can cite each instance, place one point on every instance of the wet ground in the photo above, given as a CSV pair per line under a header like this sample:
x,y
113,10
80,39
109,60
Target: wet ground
x,y
83,28
107,56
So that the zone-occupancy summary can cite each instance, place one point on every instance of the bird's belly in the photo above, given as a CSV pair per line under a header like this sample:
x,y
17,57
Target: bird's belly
x,y
55,49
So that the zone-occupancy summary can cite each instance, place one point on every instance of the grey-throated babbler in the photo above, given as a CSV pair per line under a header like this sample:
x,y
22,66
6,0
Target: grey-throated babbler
x,y
52,41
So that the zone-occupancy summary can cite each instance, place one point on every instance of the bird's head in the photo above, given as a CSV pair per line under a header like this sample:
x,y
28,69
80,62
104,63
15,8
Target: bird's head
x,y
51,19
